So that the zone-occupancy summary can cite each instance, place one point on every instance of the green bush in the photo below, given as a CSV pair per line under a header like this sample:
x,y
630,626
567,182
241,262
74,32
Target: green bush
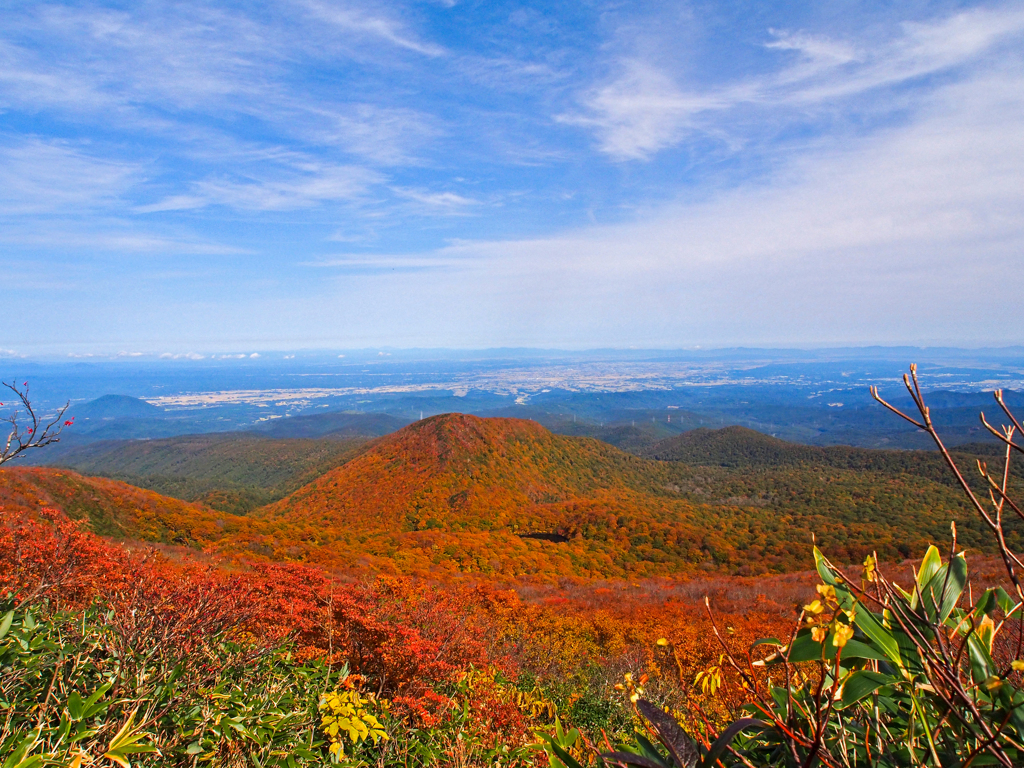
x,y
71,693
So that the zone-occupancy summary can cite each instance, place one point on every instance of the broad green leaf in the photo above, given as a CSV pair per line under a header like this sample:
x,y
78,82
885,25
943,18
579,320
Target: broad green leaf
x,y
866,622
929,567
863,683
803,648
947,591
94,705
982,666
5,624
722,742
75,705
824,568
855,649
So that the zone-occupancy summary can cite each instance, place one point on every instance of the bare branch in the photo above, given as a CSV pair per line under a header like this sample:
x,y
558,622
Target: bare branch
x,y
36,432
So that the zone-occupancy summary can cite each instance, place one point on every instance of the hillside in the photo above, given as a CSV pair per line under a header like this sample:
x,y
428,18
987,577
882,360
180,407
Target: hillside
x,y
335,425
115,509
230,471
744,449
506,496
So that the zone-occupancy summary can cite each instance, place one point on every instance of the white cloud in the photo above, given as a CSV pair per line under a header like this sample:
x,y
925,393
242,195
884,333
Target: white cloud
x,y
448,200
374,26
301,186
182,355
39,176
644,110
909,235
377,134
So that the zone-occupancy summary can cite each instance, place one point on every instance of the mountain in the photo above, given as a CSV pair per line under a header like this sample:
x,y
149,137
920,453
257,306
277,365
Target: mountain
x,y
230,471
732,447
505,496
494,495
115,407
744,449
112,508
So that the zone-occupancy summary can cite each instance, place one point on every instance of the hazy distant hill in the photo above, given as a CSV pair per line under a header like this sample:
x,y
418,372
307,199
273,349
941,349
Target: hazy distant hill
x,y
231,471
115,407
113,508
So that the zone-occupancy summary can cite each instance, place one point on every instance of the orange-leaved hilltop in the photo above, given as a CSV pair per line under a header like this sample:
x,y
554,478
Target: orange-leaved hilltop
x,y
501,496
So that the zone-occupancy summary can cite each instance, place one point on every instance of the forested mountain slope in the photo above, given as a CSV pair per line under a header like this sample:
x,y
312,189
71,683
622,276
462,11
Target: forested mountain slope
x,y
112,508
745,449
230,471
507,496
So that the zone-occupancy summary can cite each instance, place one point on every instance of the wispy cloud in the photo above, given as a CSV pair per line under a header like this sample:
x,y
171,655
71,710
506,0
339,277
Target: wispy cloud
x,y
386,136
314,184
644,109
877,240
448,201
388,263
372,25
49,176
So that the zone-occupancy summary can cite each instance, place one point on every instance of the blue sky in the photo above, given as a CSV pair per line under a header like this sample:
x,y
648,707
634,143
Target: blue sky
x,y
208,177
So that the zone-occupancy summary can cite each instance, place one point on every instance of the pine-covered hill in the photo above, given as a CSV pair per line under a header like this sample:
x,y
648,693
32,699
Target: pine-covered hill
x,y
113,508
506,496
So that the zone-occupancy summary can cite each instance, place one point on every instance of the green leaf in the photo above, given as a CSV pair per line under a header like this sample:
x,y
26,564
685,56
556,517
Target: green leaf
x,y
75,706
5,625
824,568
982,666
93,705
929,567
863,683
867,623
722,742
946,591
565,757
18,759
803,648
855,649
